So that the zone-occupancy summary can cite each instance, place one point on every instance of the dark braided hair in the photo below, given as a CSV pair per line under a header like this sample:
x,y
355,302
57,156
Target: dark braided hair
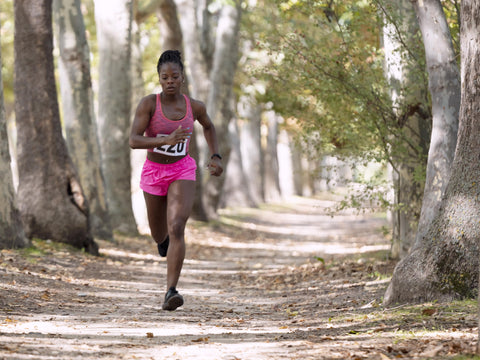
x,y
170,56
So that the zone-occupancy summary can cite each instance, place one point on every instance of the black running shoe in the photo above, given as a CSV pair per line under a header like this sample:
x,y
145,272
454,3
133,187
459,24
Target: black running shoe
x,y
163,247
173,300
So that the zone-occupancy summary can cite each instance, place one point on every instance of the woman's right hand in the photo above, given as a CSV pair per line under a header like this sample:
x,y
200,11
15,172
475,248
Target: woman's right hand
x,y
177,136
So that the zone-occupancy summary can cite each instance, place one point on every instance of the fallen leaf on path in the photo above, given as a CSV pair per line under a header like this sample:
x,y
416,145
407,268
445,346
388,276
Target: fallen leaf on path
x,y
429,312
149,335
201,339
432,352
383,356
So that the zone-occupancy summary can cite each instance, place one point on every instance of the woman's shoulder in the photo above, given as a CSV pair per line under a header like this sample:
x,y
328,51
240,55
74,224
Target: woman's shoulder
x,y
198,107
147,105
148,101
152,98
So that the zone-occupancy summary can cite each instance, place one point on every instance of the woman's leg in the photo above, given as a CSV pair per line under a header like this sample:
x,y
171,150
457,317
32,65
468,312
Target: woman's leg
x,y
157,216
179,206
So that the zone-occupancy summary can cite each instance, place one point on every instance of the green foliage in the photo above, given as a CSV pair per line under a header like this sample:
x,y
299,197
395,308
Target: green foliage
x,y
151,50
6,38
326,72
323,70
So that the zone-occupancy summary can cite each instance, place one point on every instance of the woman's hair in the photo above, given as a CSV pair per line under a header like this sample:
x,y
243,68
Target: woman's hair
x,y
170,56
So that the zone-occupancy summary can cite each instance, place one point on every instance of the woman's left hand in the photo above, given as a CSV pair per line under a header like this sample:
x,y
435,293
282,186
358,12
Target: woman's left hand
x,y
215,166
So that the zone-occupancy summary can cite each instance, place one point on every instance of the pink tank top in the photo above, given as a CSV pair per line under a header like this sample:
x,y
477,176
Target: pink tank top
x,y
160,125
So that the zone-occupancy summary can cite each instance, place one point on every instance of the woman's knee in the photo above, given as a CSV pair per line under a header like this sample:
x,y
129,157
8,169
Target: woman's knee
x,y
176,228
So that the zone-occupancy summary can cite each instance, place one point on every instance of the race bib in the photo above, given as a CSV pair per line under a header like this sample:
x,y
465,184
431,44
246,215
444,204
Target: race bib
x,y
178,149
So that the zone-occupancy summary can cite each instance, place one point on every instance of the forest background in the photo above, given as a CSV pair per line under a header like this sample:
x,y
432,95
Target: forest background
x,y
306,96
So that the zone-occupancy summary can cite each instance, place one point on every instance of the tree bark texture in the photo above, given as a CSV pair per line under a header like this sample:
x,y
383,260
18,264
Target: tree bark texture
x,y
211,53
78,111
444,83
236,190
272,182
444,265
220,103
196,61
114,22
410,102
51,201
11,228
251,146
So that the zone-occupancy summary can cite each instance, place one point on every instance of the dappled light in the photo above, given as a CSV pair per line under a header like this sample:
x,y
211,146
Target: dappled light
x,y
259,291
233,180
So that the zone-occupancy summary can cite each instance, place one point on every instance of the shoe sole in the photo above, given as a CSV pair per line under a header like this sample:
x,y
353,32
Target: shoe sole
x,y
172,303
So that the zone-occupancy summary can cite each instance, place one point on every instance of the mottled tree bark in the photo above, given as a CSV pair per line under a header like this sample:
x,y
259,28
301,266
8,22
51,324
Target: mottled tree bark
x,y
444,83
251,147
78,110
272,182
51,201
444,264
212,58
408,91
114,21
11,229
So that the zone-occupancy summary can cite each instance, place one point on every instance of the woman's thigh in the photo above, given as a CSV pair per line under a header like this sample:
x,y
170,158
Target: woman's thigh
x,y
157,215
180,198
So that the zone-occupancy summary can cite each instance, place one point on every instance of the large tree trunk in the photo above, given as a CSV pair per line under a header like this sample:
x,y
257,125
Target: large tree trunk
x,y
444,264
114,22
11,229
444,83
409,99
137,157
212,63
197,48
78,111
50,197
172,39
220,99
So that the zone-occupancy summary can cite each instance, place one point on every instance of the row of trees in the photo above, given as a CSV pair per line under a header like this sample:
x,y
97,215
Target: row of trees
x,y
319,62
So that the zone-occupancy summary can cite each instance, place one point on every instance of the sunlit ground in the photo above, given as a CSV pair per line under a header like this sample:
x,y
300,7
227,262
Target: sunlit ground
x,y
253,286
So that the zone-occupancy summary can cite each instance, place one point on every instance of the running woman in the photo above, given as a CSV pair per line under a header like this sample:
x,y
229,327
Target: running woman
x,y
163,124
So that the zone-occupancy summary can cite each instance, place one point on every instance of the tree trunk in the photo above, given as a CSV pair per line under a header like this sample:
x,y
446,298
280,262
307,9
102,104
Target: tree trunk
x,y
78,111
11,229
236,191
173,40
285,165
211,67
50,197
220,98
272,183
114,22
444,83
409,99
444,265
251,146
194,27
299,177
137,157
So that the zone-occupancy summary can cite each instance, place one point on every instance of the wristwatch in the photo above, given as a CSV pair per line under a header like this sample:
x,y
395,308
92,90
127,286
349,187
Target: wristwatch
x,y
216,155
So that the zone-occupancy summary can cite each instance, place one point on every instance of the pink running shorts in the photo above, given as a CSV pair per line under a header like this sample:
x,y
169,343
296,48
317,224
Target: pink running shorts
x,y
156,178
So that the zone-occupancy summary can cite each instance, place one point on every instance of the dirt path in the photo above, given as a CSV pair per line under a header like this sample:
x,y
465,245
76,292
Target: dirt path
x,y
253,289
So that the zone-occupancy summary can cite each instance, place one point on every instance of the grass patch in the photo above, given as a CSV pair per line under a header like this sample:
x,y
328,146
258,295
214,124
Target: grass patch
x,y
416,320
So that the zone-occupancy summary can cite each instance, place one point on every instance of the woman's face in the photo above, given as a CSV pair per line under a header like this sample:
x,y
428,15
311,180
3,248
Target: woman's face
x,y
171,78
